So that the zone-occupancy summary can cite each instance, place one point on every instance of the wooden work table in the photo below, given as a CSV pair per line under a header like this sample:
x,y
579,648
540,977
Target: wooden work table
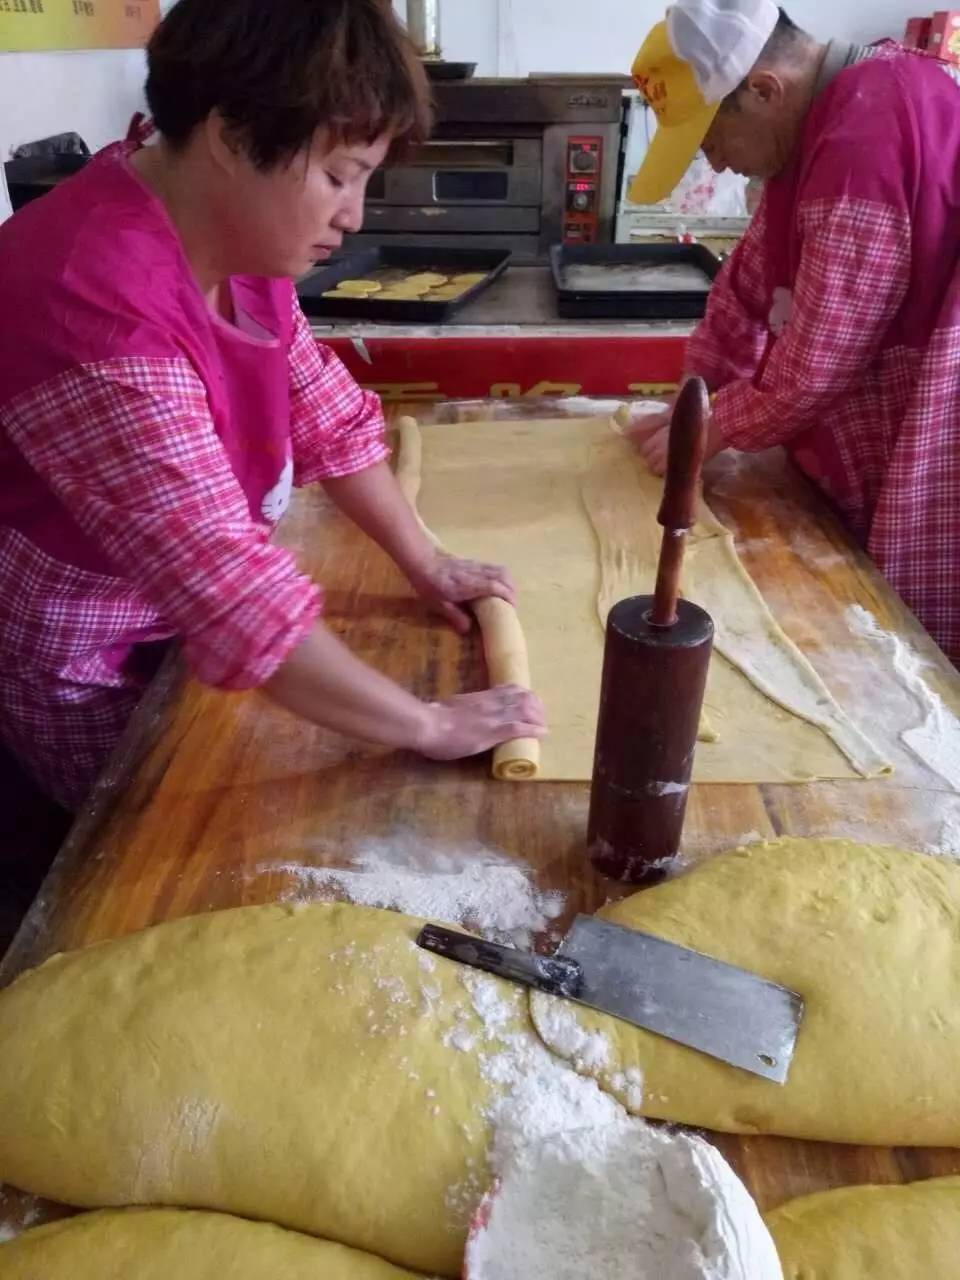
x,y
211,794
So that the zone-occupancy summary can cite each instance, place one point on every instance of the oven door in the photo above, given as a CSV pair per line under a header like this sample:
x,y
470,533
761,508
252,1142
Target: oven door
x,y
496,173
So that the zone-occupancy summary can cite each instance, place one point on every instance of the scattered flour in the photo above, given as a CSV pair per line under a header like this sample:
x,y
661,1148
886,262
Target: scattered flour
x,y
936,740
588,1051
476,887
586,1190
948,841
629,1084
18,1211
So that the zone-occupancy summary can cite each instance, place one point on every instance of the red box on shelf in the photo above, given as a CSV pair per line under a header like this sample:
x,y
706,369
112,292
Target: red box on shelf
x,y
944,38
917,33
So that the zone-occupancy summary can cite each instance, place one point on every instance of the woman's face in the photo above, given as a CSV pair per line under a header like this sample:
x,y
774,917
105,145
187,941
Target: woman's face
x,y
282,221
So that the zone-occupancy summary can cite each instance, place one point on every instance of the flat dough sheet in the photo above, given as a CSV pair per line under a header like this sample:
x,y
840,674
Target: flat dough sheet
x,y
570,508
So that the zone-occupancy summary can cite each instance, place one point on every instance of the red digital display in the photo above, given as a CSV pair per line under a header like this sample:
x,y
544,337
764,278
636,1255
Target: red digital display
x,y
582,186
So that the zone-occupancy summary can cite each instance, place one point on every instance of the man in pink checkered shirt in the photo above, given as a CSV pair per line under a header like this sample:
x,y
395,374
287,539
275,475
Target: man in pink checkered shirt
x,y
160,392
834,328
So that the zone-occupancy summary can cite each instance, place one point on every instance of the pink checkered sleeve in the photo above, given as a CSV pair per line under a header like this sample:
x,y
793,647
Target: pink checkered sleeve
x,y
730,341
854,272
135,459
337,428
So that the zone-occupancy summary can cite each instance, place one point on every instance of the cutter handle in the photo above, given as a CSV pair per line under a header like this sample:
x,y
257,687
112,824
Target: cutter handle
x,y
556,976
678,510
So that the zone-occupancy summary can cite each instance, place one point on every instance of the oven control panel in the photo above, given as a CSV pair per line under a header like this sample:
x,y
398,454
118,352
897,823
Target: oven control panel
x,y
584,171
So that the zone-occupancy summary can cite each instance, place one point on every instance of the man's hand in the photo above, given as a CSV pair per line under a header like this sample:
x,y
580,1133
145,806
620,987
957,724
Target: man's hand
x,y
651,435
446,582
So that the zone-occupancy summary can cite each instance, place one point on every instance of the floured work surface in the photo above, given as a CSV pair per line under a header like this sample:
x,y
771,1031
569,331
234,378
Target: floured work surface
x,y
570,508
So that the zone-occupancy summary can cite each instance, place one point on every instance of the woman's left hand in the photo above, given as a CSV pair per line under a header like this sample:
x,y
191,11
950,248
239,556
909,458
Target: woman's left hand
x,y
446,582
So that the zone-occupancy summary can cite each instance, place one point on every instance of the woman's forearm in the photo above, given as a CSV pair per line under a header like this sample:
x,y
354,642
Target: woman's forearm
x,y
326,683
373,501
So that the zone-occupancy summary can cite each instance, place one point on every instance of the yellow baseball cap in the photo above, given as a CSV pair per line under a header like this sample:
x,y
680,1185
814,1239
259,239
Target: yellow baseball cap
x,y
687,66
683,117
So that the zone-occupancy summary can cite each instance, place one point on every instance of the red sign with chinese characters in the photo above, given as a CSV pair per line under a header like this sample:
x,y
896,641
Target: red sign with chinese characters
x,y
469,368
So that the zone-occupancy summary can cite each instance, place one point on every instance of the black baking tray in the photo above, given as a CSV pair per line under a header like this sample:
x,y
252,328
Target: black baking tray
x,y
640,304
365,262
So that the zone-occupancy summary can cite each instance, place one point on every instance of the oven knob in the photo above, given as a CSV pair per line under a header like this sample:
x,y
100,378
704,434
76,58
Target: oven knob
x,y
581,201
584,161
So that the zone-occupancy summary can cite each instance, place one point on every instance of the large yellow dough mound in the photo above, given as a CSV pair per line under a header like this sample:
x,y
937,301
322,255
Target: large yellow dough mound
x,y
306,1066
869,936
172,1244
871,1233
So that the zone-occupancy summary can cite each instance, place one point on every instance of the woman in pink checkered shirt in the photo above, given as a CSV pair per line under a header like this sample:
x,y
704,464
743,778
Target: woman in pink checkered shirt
x,y
160,392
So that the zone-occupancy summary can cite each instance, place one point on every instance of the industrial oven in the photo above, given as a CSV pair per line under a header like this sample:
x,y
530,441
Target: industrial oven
x,y
513,164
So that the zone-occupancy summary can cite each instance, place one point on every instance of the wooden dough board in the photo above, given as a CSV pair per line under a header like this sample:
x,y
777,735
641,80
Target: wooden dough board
x,y
212,796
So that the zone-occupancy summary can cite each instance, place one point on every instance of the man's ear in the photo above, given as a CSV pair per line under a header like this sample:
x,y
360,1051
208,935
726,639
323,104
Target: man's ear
x,y
222,142
764,88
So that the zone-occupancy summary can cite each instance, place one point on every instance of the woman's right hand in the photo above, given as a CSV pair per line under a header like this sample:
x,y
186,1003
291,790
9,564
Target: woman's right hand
x,y
475,722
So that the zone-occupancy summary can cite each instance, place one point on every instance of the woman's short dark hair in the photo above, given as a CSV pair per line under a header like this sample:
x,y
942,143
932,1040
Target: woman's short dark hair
x,y
279,70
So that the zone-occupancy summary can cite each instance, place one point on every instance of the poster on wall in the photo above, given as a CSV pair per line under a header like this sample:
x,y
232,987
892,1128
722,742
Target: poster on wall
x,y
30,25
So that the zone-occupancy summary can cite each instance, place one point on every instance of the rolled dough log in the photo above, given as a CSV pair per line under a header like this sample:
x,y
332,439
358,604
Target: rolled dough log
x,y
869,936
300,1065
504,644
174,1244
505,651
871,1233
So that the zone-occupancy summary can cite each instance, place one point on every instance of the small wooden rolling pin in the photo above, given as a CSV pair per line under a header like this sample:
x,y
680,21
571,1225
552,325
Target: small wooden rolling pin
x,y
655,665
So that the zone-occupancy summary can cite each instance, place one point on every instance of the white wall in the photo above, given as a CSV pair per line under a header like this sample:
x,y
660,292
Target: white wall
x,y
95,93
514,37
92,93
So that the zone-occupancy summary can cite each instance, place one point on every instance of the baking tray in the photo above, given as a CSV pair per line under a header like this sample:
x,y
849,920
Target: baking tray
x,y
385,260
599,282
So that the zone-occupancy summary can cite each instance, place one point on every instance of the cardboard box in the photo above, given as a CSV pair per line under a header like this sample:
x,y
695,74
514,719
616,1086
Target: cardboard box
x,y
917,33
944,38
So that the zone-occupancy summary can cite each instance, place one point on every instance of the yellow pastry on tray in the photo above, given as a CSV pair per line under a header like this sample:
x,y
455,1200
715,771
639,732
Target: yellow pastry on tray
x,y
359,286
447,293
429,278
469,278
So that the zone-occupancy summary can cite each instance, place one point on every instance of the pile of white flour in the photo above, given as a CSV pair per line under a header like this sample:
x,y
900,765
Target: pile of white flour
x,y
586,1190
624,1202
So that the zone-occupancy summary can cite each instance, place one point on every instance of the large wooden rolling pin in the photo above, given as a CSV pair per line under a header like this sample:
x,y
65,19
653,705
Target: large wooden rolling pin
x,y
504,645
